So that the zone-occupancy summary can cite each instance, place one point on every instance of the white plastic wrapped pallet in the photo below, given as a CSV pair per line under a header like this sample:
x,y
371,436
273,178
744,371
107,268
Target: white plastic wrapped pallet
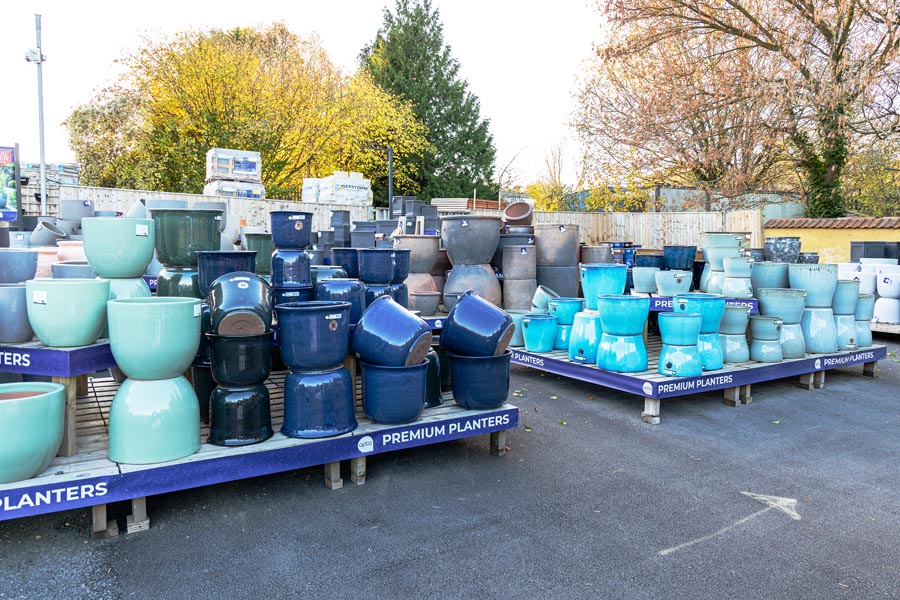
x,y
235,189
234,165
310,191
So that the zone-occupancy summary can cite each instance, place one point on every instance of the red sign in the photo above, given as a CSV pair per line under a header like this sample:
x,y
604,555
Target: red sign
x,y
7,155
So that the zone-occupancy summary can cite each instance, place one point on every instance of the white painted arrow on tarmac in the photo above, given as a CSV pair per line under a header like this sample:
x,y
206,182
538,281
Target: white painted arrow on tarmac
x,y
786,505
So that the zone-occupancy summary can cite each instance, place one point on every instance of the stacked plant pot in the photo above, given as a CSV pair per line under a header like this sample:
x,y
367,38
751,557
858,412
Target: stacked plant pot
x,y
564,309
765,339
519,276
737,282
399,289
817,321
376,271
470,241
290,271
423,254
180,234
788,305
843,305
17,265
261,243
722,240
557,257
733,334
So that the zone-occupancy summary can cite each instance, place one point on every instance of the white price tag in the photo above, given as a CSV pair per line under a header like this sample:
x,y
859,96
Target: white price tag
x,y
142,230
198,310
464,223
39,297
333,317
562,227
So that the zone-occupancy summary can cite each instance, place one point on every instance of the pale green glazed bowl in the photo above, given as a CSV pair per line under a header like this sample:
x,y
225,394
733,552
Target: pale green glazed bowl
x,y
67,312
31,428
154,338
118,247
153,421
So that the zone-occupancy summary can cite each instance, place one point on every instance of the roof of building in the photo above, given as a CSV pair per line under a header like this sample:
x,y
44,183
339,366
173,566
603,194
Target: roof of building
x,y
843,223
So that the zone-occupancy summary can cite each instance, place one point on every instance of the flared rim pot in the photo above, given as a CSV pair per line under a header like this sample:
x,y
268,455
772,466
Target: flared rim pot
x,y
470,239
601,278
31,427
240,360
401,264
846,295
765,328
239,415
538,332
17,264
182,232
819,281
475,327
240,303
680,328
565,309
710,306
769,274
480,382
290,228
14,325
786,303
313,335
119,248
341,289
318,404
67,312
291,267
621,314
394,395
715,256
213,264
389,335
156,337
348,259
672,283
376,265
735,320
865,307
423,251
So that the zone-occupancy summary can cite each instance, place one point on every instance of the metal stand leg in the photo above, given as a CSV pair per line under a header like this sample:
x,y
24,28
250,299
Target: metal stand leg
x,y
651,411
498,443
358,470
333,479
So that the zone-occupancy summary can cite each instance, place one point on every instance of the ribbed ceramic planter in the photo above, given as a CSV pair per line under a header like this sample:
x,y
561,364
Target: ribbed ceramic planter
x,y
480,383
291,229
31,427
470,239
14,325
181,232
601,279
479,278
17,264
240,303
119,248
394,395
67,312
819,281
318,404
239,416
423,251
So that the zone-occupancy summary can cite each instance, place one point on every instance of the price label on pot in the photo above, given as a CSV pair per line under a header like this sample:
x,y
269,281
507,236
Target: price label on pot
x,y
142,230
291,294
295,218
39,297
197,310
333,317
523,250
243,285
464,223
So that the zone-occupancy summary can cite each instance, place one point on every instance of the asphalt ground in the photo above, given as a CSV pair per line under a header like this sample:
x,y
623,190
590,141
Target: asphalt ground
x,y
588,503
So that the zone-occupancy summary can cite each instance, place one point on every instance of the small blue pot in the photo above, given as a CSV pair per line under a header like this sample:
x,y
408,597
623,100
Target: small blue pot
x,y
344,290
347,259
539,331
710,306
518,340
376,265
313,335
377,290
212,264
623,315
394,395
565,309
389,335
585,337
819,330
283,295
318,404
480,382
291,229
679,258
401,264
400,294
239,416
680,328
291,268
475,327
561,339
17,265
599,279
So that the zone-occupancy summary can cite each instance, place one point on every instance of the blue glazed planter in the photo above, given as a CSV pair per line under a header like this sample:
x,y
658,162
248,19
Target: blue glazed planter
x,y
846,295
585,337
283,295
400,294
644,279
480,383
290,229
475,327
213,264
376,265
769,275
389,335
782,302
656,261
518,340
344,290
539,331
240,303
291,268
734,320
318,404
819,330
323,272
622,353
623,315
239,416
240,360
710,306
680,328
395,395
401,264
565,309
819,281
377,290
347,259
313,335
680,258
600,279
561,339
433,380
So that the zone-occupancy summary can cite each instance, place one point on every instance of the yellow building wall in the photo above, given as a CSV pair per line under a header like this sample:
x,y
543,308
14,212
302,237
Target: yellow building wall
x,y
833,245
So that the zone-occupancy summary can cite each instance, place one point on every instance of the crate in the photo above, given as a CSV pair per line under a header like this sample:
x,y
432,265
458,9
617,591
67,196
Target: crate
x,y
233,165
235,189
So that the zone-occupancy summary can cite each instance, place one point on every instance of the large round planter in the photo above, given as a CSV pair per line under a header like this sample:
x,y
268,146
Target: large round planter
x,y
680,328
283,295
672,283
17,264
324,272
67,312
738,266
680,258
423,251
557,244
711,306
475,327
782,249
865,307
782,302
240,303
240,360
400,294
470,239
318,404
182,232
214,263
623,315
518,213
819,281
394,395
769,275
565,309
291,229
119,248
262,244
480,382
563,280
180,282
479,278
344,290
153,421
622,354
347,259
721,239
291,267
154,338
539,332
401,264
518,294
389,335
377,290
519,262
846,295
585,337
72,269
313,335
14,325
602,279
376,265
239,416
31,427
734,320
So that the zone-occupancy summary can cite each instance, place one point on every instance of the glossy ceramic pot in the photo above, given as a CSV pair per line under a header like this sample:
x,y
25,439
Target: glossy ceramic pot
x,y
423,251
819,281
394,395
480,382
557,244
865,307
425,302
782,249
376,265
401,264
240,360
679,361
622,353
154,338
283,295
765,328
17,264
711,355
715,282
475,327
262,244
239,416
819,330
240,303
182,232
769,275
845,328
377,290
735,319
585,337
680,328
644,279
67,312
561,339
135,287
181,282
672,283
204,384
213,264
119,248
470,239
542,297
389,335
792,343
344,290
291,268
347,259
738,266
623,315
846,295
679,258
565,309
479,278
710,306
433,380
322,272
766,351
864,334
601,279
400,294
14,325
722,239
715,256
782,302
291,229
517,340
318,404
734,348
72,269
538,332
313,335
31,426
519,262
153,421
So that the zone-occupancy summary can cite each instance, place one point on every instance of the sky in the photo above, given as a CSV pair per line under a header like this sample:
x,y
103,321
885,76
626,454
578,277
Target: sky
x,y
522,58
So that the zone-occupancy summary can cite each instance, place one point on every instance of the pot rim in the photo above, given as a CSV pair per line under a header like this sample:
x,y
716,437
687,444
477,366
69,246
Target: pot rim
x,y
154,299
311,305
470,217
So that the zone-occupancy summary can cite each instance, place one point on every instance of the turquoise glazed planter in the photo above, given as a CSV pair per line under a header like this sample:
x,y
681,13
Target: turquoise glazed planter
x,y
819,281
517,340
672,283
738,266
734,320
715,256
765,351
769,275
31,427
600,279
67,312
565,309
734,348
710,306
644,279
845,327
153,421
819,330
792,343
585,337
622,353
680,328
623,315
846,295
722,239
765,328
154,338
118,248
539,331
561,339
679,258
782,302
865,307
261,243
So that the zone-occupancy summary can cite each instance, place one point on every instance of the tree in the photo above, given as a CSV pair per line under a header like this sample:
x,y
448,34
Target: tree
x,y
833,69
872,180
408,58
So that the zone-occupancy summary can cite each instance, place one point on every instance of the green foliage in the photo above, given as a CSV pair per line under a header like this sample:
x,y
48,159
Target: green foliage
x,y
871,183
408,58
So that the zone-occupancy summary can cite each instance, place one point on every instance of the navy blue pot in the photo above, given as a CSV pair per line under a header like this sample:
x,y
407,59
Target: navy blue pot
x,y
347,259
376,265
318,404
377,290
480,382
400,294
389,335
290,229
204,384
344,290
240,303
444,358
202,357
239,416
650,260
240,360
283,295
679,258
394,395
291,268
401,264
433,381
313,335
323,272
212,264
475,327
183,282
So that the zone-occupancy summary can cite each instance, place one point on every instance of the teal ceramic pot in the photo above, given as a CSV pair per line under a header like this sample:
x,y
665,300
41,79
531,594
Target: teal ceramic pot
x,y
715,282
600,279
715,256
865,307
680,328
679,361
710,306
819,330
540,300
539,332
262,244
765,351
154,338
712,357
737,287
180,282
623,315
845,326
722,239
734,348
704,278
765,328
153,421
792,343
644,279
565,309
864,334
14,325
31,427
769,275
622,353
517,340
734,320
67,312
672,283
561,339
119,248
782,302
72,269
182,232
819,281
585,337
17,264
126,288
846,295
737,266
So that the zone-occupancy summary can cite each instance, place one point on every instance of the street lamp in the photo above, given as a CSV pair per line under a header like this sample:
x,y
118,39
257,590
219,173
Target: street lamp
x,y
37,56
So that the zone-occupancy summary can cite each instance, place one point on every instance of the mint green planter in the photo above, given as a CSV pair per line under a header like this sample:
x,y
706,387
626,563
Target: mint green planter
x,y
126,288
31,428
153,421
154,338
117,247
67,312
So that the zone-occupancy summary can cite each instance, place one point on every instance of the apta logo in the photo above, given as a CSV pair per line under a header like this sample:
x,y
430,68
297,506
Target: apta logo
x,y
648,388
366,444
818,363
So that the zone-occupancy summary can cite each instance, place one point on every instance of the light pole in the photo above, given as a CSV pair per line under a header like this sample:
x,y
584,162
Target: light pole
x,y
37,56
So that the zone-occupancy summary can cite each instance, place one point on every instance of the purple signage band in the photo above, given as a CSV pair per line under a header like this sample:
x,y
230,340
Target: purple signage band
x,y
663,304
33,358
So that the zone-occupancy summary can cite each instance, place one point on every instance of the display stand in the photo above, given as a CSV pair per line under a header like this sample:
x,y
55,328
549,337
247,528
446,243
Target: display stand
x,y
893,328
